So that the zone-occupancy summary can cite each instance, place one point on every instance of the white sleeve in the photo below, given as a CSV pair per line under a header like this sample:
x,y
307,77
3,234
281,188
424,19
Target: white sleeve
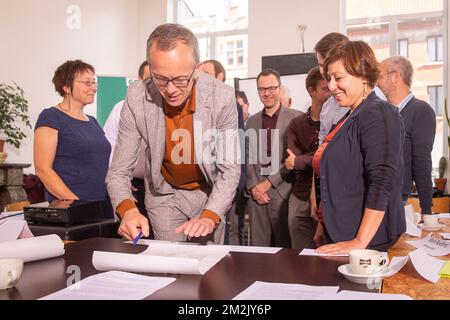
x,y
111,126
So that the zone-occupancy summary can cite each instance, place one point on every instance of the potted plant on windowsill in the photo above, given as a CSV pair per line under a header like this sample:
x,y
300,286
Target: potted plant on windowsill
x,y
440,183
14,117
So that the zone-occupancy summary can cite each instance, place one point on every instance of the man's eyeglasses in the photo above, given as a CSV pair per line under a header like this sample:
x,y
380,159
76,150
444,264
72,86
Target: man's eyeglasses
x,y
385,74
270,89
88,83
180,82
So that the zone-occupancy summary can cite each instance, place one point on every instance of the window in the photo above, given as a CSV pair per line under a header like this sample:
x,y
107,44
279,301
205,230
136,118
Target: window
x,y
402,49
222,29
436,98
435,49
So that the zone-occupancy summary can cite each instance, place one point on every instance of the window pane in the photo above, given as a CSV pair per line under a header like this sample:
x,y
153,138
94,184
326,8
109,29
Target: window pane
x,y
432,97
230,58
440,101
431,49
240,57
402,49
375,34
240,44
439,49
234,60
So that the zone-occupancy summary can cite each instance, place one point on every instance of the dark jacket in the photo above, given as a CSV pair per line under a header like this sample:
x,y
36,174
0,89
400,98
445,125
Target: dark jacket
x,y
362,167
420,129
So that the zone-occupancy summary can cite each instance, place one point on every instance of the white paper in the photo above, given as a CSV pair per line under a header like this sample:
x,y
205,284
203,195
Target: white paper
x,y
113,285
357,295
446,236
284,291
396,264
427,266
443,215
312,252
250,249
32,249
162,258
434,247
13,229
411,224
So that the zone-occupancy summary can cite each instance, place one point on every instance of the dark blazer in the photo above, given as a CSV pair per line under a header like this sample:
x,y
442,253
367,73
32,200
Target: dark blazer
x,y
362,167
420,129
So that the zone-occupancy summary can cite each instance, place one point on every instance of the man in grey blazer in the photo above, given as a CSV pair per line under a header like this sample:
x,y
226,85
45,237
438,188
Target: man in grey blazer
x,y
266,147
188,121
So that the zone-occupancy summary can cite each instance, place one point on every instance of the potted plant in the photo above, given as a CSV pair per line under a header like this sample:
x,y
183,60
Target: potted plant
x,y
13,117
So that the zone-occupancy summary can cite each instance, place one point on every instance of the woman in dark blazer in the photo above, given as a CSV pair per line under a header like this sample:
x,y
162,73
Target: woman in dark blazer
x,y
361,166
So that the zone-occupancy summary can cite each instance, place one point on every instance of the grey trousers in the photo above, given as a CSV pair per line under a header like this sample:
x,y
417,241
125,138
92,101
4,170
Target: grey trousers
x,y
268,223
176,210
236,215
301,225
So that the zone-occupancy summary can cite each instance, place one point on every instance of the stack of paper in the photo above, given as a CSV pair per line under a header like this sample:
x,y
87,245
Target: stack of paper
x,y
112,286
162,258
32,249
434,247
427,266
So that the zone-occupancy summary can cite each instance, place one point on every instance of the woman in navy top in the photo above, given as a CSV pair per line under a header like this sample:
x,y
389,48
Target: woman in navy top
x,y
71,152
361,167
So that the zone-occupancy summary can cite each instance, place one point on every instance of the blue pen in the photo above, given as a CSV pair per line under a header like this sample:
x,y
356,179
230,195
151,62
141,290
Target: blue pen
x,y
139,236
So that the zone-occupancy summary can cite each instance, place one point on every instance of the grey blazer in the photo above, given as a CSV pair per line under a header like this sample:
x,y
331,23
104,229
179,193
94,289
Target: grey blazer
x,y
254,150
142,118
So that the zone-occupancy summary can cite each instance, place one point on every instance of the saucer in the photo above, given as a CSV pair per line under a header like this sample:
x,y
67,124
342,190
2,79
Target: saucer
x,y
346,271
436,227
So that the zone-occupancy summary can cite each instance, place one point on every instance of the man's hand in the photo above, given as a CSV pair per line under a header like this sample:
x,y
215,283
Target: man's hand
x,y
263,199
132,223
341,247
290,160
197,227
260,189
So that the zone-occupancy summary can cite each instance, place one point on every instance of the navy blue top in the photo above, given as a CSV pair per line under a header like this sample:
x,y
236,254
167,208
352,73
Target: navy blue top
x,y
82,155
362,167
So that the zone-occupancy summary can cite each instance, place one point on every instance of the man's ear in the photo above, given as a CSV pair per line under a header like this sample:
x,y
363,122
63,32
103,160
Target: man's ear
x,y
311,91
221,76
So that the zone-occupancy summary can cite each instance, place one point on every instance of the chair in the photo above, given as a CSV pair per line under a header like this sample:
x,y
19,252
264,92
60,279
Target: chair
x,y
16,206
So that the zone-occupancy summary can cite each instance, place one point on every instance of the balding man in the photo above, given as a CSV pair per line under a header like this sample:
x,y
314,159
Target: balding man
x,y
395,80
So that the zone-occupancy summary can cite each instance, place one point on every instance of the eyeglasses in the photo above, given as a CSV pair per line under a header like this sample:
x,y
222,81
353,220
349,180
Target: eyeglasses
x,y
180,82
88,83
385,74
270,89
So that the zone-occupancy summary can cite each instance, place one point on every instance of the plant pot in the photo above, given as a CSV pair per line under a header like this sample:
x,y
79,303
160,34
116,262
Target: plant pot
x,y
2,145
439,183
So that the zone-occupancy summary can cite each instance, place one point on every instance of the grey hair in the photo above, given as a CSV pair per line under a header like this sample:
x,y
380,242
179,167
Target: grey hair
x,y
287,91
403,66
167,36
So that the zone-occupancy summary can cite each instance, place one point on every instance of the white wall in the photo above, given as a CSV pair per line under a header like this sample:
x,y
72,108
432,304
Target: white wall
x,y
273,27
36,40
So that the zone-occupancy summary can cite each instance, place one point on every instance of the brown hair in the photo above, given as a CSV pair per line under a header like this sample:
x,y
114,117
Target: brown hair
x,y
313,78
142,69
328,42
66,73
268,72
218,68
358,59
167,36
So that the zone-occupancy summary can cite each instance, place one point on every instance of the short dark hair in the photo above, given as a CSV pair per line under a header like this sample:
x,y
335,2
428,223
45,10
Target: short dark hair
x,y
313,78
242,95
218,68
328,42
268,72
358,59
167,36
142,68
66,73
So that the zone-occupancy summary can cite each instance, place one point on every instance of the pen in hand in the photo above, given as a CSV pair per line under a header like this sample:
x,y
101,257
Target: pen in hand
x,y
139,236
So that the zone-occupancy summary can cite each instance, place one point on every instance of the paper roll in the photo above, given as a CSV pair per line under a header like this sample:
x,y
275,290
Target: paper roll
x,y
33,249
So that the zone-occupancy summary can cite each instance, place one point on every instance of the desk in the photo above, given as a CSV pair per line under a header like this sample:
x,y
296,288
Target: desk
x,y
234,273
408,281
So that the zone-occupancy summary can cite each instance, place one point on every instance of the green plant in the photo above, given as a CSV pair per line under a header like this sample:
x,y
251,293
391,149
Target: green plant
x,y
13,114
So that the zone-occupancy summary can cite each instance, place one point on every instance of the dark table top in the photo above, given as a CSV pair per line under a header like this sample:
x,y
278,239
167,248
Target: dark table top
x,y
234,273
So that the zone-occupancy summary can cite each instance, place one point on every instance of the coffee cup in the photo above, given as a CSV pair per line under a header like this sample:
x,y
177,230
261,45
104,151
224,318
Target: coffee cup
x,y
430,219
10,272
367,262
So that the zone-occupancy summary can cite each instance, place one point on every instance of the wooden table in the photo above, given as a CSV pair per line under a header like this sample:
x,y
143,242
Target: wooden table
x,y
234,273
408,281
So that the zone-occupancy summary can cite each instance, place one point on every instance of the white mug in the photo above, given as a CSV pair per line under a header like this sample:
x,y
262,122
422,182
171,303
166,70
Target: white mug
x,y
430,219
366,262
10,272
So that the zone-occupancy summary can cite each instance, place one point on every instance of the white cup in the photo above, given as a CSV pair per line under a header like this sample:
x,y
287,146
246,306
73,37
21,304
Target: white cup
x,y
366,262
10,272
430,219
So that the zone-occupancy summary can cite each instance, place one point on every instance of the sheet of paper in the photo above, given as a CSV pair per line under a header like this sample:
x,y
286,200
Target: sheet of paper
x,y
312,252
162,258
284,291
32,249
445,236
411,222
249,249
427,266
396,264
443,215
113,285
13,229
434,247
357,295
12,214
